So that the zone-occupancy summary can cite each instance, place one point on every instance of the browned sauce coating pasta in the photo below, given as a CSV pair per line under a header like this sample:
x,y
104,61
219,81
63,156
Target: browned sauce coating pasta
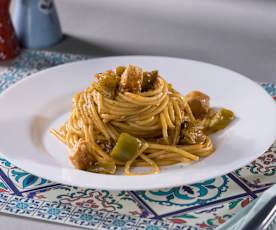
x,y
169,128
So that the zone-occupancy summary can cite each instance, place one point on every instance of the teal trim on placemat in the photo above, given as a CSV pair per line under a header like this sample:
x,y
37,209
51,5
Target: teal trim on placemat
x,y
204,205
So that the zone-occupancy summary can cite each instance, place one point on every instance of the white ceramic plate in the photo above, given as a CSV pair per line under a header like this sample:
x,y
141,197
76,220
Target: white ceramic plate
x,y
31,107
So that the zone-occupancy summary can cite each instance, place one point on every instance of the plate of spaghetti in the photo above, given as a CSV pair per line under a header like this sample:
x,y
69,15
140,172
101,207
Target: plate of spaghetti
x,y
135,122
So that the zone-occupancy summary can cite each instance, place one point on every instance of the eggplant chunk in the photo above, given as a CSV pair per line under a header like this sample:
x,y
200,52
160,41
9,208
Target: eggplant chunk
x,y
191,134
149,79
80,157
198,102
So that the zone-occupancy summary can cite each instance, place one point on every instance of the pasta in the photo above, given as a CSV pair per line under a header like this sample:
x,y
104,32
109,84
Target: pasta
x,y
133,118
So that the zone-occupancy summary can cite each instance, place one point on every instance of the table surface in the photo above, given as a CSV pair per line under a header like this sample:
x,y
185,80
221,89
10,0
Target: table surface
x,y
239,35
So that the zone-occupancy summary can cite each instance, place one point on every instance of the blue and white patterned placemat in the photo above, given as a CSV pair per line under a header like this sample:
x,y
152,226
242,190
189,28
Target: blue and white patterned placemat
x,y
204,205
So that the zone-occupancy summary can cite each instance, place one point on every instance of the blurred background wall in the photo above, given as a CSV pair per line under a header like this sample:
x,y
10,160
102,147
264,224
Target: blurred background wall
x,y
237,34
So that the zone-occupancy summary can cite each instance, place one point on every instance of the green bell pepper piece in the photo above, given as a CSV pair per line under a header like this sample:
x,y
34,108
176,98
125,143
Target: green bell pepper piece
x,y
220,120
126,147
120,70
107,85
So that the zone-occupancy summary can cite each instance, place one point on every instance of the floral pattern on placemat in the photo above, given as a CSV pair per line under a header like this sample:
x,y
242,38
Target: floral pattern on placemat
x,y
30,62
199,193
203,205
260,173
212,216
24,181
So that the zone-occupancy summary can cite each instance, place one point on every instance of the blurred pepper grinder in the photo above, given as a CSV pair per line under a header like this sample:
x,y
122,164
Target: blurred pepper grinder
x,y
36,23
9,47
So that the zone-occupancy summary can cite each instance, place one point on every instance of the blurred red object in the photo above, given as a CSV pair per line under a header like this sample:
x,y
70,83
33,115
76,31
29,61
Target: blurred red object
x,y
9,46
